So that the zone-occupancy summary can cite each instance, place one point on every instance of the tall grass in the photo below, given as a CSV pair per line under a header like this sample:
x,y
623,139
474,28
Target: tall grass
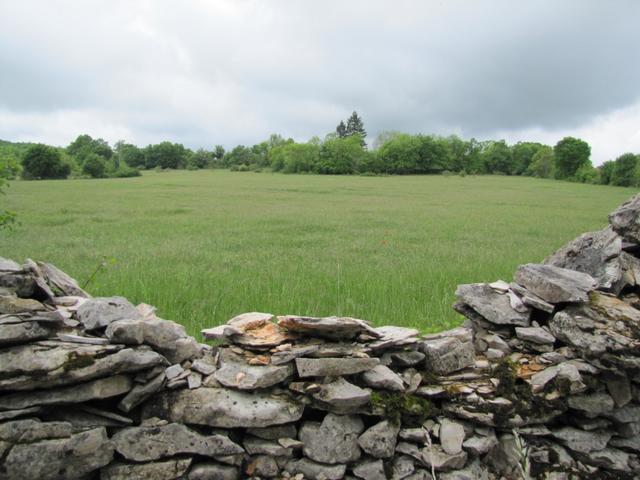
x,y
204,246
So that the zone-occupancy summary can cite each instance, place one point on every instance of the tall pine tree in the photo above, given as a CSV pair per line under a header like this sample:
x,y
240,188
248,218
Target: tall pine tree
x,y
355,126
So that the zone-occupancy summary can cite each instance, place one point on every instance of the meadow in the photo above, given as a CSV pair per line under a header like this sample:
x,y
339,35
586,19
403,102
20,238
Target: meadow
x,y
204,246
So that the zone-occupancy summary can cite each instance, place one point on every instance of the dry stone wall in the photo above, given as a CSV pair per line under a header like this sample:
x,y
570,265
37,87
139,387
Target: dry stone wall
x,y
541,381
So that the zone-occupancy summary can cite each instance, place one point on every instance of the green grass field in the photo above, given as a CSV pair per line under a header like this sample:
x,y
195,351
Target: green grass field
x,y
204,246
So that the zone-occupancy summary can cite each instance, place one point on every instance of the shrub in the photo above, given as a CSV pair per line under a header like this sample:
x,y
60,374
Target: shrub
x,y
43,161
94,166
125,171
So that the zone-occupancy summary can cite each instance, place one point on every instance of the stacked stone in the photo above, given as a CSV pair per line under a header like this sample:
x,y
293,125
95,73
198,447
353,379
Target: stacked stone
x,y
74,371
562,342
542,381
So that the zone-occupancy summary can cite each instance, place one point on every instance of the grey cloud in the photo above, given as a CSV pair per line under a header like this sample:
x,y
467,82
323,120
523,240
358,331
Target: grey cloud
x,y
235,71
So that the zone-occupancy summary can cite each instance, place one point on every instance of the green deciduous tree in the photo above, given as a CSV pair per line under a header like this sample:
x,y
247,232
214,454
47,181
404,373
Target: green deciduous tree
x,y
295,157
497,158
340,156
606,170
624,170
570,154
400,154
84,144
129,154
240,155
165,155
199,159
522,155
43,161
542,163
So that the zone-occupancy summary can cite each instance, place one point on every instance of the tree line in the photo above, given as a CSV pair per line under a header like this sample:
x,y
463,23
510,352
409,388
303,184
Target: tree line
x,y
342,152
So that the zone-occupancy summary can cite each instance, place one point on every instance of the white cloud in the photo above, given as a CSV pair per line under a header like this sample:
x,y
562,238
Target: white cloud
x,y
234,71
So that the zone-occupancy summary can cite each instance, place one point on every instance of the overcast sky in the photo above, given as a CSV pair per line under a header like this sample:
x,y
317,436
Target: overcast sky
x,y
234,71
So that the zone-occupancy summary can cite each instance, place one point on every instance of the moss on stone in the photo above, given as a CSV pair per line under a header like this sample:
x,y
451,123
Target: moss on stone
x,y
411,410
75,361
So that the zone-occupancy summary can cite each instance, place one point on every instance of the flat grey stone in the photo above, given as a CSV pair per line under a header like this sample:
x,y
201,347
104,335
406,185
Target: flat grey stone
x,y
530,299
333,328
441,461
491,305
16,333
625,220
380,440
420,475
619,388
497,343
627,414
333,441
609,458
224,408
447,355
294,352
410,449
314,470
80,418
328,349
260,446
173,371
564,371
535,334
203,366
213,471
592,405
127,332
10,305
408,358
165,470
275,432
23,412
235,373
593,253
341,396
101,311
60,282
451,436
142,444
59,458
392,336
632,443
479,444
382,377
401,467
575,327
83,392
581,441
30,430
322,367
8,265
37,366
555,284
415,435
370,469
65,337
121,419
18,284
476,470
